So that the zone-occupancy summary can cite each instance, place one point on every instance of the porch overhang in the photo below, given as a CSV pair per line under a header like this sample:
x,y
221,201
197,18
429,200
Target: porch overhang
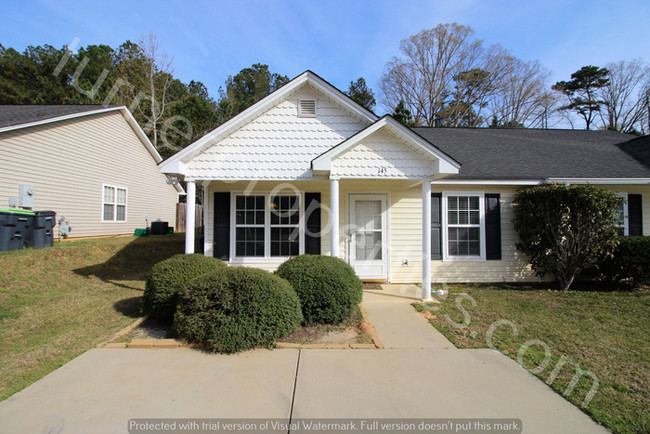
x,y
441,164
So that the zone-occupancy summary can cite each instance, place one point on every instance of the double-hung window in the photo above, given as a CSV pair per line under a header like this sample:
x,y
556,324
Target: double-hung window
x,y
464,226
267,226
114,204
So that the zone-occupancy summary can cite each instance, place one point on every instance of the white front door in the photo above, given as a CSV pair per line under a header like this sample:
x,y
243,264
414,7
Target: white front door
x,y
368,236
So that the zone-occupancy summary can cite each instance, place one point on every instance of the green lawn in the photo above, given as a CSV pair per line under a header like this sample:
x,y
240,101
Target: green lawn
x,y
606,333
58,302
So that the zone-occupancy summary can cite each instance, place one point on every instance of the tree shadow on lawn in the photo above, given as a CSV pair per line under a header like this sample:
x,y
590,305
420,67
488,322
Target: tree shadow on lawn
x,y
135,260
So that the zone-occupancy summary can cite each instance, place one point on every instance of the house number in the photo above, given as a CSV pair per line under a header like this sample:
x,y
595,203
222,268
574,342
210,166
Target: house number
x,y
381,171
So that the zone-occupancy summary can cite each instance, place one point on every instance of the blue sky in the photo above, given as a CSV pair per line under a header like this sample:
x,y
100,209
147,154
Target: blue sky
x,y
339,40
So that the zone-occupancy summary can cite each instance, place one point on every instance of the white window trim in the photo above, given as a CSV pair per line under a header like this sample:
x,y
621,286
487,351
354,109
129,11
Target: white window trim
x,y
626,215
114,203
446,257
267,258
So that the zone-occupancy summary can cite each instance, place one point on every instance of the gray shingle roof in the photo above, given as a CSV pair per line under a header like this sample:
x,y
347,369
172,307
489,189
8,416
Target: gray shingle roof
x,y
11,115
486,153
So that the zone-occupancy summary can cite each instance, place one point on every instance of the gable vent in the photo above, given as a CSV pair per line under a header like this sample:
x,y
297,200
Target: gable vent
x,y
307,108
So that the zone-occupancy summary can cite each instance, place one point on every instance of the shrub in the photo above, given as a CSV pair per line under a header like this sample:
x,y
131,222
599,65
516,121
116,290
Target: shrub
x,y
630,262
327,287
565,229
233,309
168,278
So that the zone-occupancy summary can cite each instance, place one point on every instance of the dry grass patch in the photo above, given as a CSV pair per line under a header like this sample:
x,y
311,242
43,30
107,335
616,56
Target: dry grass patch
x,y
56,303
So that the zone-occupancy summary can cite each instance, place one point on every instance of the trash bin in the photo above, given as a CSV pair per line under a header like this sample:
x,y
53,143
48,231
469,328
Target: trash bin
x,y
42,230
159,228
15,224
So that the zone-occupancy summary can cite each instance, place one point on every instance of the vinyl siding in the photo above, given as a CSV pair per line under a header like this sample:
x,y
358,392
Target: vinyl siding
x,y
405,229
68,163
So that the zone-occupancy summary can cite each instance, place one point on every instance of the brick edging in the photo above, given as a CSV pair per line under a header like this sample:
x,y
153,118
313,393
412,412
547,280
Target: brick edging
x,y
366,326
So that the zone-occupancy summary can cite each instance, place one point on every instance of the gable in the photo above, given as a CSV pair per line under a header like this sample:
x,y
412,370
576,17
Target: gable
x,y
277,144
383,155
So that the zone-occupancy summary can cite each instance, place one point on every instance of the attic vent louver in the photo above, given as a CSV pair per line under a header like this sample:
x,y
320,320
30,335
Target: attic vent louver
x,y
307,108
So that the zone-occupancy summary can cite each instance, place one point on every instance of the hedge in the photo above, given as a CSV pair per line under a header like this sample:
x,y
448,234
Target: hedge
x,y
327,287
233,309
171,276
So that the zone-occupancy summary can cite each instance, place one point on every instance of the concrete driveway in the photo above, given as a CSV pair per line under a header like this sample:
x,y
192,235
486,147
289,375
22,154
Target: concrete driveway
x,y
419,376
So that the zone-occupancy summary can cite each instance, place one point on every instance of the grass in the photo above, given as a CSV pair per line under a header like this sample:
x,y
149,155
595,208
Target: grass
x,y
58,302
605,333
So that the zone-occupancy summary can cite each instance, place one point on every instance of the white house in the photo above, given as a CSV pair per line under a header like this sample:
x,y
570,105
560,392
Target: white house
x,y
91,164
307,170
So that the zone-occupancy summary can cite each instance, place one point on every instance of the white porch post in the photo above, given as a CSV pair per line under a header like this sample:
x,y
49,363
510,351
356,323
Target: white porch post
x,y
190,211
206,207
334,217
426,240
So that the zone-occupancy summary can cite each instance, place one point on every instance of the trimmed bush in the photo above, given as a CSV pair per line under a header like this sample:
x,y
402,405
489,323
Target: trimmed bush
x,y
630,263
327,287
233,309
171,276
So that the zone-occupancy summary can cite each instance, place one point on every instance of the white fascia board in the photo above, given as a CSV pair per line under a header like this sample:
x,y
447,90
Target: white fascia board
x,y
59,118
602,181
489,181
261,105
141,134
443,163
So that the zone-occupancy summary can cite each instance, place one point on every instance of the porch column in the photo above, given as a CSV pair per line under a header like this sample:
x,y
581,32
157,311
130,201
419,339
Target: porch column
x,y
426,240
189,217
334,217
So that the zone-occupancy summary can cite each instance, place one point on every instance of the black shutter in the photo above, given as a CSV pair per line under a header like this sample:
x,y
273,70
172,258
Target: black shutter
x,y
635,216
492,226
221,243
313,229
436,226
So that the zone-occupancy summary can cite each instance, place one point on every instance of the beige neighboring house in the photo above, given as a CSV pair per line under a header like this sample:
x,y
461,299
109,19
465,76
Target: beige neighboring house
x,y
89,163
308,170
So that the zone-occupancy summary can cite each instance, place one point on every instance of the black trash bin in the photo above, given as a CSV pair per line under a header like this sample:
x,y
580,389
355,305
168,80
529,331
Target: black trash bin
x,y
159,228
15,225
42,230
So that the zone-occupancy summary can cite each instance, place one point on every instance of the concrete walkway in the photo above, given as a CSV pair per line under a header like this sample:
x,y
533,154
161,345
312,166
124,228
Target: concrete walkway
x,y
419,375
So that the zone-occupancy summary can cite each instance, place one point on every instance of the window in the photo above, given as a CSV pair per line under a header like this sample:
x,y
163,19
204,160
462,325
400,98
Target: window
x,y
623,217
114,204
267,226
249,225
285,233
464,221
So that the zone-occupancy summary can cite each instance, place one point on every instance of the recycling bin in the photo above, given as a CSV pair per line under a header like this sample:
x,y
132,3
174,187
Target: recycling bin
x,y
41,233
15,225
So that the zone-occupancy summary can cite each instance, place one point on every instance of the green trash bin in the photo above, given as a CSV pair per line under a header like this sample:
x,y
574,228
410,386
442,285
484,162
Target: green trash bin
x,y
15,225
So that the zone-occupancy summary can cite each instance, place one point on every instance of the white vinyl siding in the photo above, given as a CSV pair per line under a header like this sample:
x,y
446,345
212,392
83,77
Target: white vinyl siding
x,y
114,201
68,161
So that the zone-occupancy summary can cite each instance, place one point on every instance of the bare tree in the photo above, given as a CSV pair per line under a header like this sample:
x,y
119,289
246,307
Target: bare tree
x,y
446,77
424,76
625,98
146,77
522,99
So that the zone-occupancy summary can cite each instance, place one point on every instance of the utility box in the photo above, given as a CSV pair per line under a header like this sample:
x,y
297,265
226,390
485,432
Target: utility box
x,y
15,225
26,196
159,228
